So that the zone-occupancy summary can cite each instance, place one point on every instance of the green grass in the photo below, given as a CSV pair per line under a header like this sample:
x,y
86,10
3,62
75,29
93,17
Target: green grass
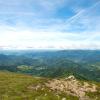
x,y
15,87
94,95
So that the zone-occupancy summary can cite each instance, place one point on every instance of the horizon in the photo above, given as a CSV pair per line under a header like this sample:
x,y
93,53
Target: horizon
x,y
50,25
44,50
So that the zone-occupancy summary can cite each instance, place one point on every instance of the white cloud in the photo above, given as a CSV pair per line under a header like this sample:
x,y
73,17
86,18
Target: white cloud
x,y
13,37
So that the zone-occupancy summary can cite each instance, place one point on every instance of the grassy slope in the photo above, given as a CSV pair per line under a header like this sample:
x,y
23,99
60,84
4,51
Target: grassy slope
x,y
15,87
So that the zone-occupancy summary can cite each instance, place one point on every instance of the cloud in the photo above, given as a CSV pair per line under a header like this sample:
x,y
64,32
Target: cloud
x,y
14,37
87,20
40,24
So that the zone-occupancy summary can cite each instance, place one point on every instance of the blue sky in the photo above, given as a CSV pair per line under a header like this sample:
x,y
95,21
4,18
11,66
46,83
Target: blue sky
x,y
50,24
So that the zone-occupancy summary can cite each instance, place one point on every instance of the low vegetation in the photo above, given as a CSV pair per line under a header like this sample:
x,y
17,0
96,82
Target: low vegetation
x,y
15,86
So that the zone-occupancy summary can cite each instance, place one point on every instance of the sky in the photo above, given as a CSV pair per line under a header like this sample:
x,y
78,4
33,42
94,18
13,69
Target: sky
x,y
49,24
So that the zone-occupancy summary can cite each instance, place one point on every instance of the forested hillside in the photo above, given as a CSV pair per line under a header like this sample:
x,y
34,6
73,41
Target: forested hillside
x,y
83,64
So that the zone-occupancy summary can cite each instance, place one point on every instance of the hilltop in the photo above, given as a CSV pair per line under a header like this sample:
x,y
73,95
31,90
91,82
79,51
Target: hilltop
x,y
15,86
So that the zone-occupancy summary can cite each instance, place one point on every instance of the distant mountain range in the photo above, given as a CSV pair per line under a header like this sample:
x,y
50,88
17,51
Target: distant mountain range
x,y
83,64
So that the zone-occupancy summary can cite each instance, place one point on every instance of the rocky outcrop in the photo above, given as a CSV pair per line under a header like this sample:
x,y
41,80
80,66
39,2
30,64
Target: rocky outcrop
x,y
71,86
